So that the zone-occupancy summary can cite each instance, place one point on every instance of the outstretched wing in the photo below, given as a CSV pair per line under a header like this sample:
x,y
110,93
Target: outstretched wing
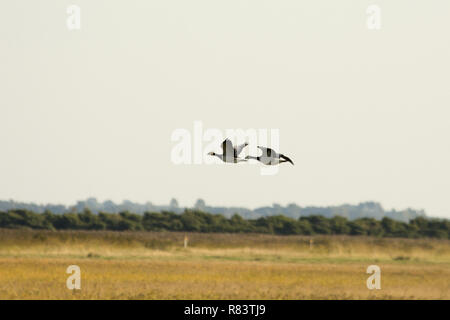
x,y
239,148
227,148
286,158
267,152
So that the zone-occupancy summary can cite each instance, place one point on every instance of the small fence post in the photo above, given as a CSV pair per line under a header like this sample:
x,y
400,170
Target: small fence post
x,y
186,239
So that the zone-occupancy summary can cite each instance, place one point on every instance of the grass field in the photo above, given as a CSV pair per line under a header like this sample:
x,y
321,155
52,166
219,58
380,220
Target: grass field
x,y
150,265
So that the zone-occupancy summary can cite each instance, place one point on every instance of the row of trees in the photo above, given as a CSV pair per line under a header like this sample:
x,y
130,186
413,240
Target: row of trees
x,y
199,221
364,209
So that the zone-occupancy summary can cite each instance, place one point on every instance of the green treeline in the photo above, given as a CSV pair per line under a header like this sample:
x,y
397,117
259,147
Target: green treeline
x,y
199,221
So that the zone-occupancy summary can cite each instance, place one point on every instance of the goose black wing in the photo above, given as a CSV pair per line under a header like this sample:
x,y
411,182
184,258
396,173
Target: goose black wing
x,y
227,149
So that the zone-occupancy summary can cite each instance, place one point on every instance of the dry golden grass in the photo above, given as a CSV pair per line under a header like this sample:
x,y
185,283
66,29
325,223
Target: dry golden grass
x,y
144,265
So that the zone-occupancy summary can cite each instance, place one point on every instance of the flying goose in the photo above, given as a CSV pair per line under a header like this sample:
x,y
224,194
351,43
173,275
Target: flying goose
x,y
229,152
270,157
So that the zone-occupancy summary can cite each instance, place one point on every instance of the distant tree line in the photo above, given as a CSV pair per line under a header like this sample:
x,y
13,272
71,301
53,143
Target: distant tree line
x,y
199,221
351,212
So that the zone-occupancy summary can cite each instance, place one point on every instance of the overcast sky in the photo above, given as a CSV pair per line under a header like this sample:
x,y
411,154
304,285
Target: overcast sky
x,y
364,114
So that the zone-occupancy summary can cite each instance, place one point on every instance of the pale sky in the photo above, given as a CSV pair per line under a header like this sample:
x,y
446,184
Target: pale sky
x,y
365,115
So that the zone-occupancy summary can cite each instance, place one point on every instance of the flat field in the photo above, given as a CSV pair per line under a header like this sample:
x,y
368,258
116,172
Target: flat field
x,y
155,265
